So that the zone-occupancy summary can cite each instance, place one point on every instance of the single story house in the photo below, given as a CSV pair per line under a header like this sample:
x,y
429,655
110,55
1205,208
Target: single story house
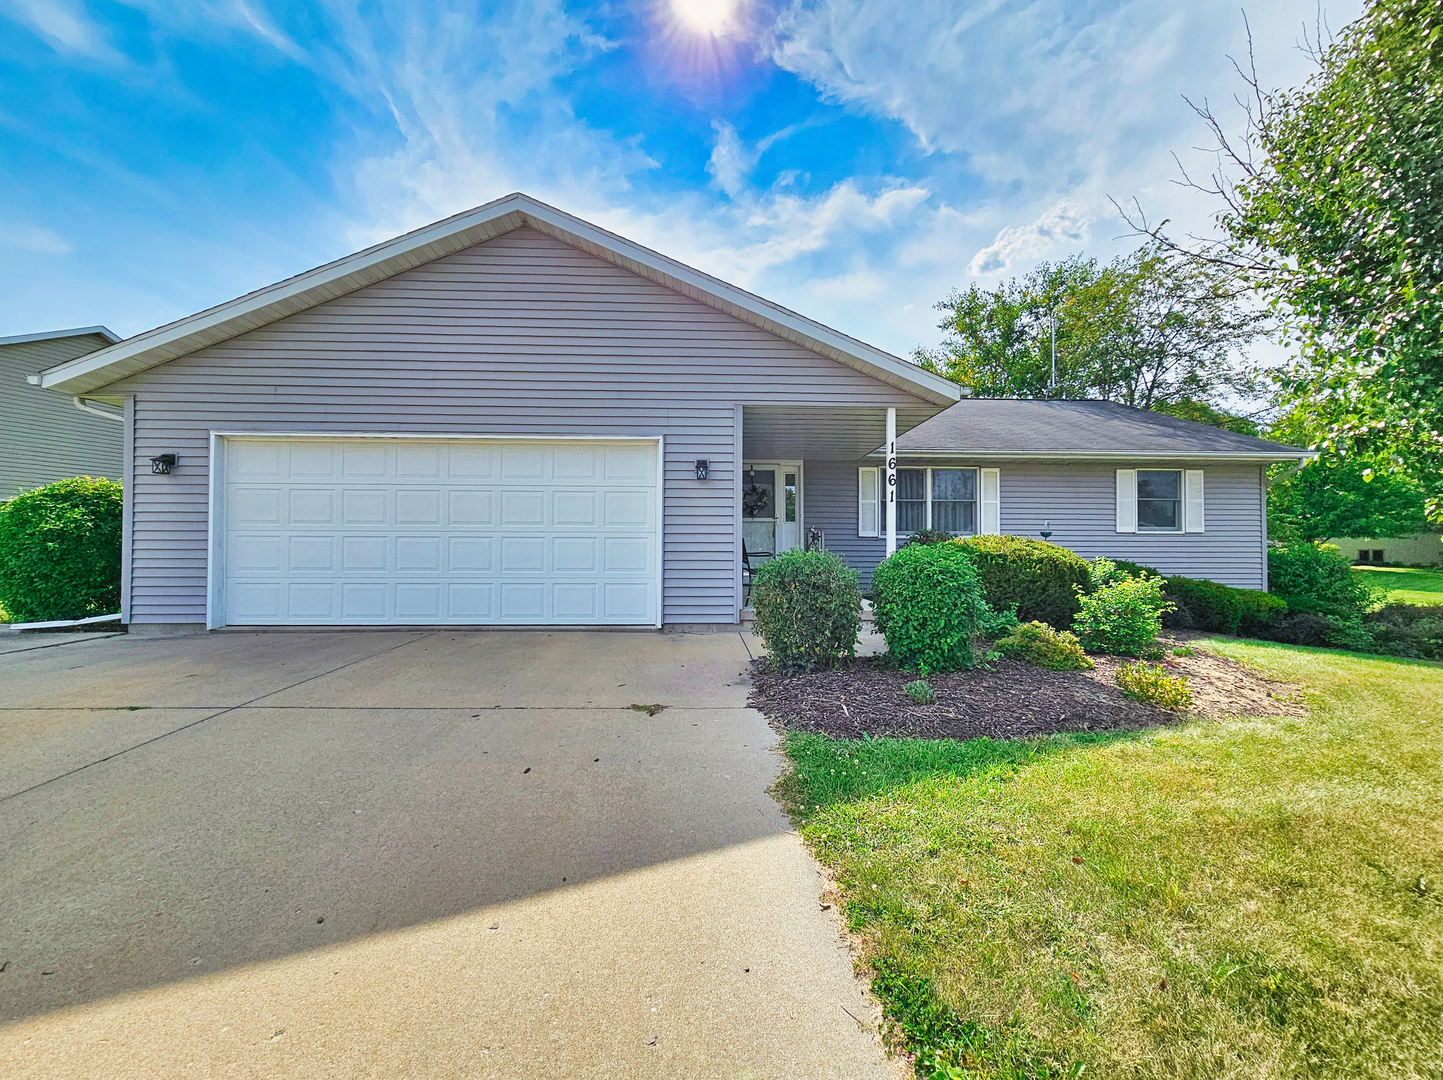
x,y
44,437
513,417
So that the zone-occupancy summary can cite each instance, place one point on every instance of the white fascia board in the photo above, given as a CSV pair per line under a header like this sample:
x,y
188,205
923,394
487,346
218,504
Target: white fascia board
x,y
1104,455
54,335
464,230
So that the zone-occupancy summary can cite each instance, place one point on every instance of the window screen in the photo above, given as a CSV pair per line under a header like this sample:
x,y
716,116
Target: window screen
x,y
1159,499
911,500
954,500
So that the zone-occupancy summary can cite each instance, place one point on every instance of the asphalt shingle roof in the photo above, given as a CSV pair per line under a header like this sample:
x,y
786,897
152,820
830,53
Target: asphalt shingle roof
x,y
1011,425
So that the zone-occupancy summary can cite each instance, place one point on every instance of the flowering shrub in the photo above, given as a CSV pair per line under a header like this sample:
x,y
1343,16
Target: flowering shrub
x,y
1123,618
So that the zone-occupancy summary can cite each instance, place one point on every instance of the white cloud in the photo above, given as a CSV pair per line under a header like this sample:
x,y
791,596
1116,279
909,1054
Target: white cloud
x,y
1064,224
35,239
64,25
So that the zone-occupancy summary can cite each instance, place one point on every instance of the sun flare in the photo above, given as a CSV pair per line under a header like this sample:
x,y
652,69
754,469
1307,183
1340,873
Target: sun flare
x,y
705,16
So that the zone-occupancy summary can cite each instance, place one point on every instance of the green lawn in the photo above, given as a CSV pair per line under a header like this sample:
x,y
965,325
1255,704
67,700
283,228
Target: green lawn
x,y
1405,586
1257,898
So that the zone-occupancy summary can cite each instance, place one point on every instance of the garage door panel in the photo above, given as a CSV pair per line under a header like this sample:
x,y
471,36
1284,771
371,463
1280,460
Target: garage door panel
x,y
308,554
418,506
574,554
364,603
418,553
364,507
470,506
363,554
435,531
523,508
471,554
522,601
255,506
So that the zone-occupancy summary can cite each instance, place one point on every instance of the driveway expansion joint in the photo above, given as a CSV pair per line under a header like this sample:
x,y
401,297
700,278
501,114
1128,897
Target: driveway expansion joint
x,y
200,720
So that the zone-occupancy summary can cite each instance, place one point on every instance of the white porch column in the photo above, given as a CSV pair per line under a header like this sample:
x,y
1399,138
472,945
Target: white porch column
x,y
891,480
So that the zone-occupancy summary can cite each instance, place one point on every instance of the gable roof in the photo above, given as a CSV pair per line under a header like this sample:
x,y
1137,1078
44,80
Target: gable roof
x,y
1014,427
53,335
464,230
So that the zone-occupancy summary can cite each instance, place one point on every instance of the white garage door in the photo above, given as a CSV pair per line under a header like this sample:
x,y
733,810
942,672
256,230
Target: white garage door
x,y
463,531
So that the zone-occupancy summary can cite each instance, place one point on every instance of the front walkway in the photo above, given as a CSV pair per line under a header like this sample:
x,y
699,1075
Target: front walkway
x,y
410,853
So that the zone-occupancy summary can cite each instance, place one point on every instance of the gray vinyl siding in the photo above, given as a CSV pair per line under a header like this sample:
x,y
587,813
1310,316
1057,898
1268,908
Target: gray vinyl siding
x,y
43,436
1079,501
520,335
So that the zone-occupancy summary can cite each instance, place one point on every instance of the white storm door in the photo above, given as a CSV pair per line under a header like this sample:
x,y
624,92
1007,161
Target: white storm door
x,y
377,531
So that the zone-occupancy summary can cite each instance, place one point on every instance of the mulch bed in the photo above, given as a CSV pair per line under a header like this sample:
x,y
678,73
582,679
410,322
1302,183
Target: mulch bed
x,y
1008,700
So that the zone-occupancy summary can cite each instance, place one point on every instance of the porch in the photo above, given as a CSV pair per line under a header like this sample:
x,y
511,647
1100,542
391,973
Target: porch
x,y
808,479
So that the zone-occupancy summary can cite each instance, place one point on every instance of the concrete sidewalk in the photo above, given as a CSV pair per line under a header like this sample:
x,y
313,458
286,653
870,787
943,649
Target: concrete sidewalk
x,y
408,853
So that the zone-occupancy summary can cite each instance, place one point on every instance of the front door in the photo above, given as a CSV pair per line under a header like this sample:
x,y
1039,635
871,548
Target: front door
x,y
772,506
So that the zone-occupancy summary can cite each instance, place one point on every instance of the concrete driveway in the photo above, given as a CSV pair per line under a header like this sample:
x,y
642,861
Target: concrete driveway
x,y
407,854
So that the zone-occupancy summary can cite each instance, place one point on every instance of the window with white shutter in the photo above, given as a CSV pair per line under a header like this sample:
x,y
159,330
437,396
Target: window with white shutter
x,y
1127,500
869,502
990,509
1192,488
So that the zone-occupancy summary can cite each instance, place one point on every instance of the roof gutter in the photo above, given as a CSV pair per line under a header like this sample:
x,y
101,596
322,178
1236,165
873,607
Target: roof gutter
x,y
1300,456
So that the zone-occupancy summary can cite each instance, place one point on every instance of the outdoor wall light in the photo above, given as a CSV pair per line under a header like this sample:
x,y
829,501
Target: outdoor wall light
x,y
703,467
1046,530
163,464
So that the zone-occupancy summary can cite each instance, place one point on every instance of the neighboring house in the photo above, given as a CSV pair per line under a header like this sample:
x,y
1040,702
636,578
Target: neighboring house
x,y
43,436
513,417
1419,549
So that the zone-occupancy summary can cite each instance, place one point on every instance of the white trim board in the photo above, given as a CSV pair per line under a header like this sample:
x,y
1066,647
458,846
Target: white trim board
x,y
384,260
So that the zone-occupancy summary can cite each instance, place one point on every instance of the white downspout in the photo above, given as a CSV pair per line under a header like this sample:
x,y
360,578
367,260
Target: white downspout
x,y
85,407
891,480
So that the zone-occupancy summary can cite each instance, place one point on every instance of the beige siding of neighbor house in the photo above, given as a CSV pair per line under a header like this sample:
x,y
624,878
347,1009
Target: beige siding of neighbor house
x,y
1077,502
43,436
522,334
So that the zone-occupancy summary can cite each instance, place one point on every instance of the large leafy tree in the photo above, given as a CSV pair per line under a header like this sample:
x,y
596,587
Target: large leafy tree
x,y
1149,329
1333,208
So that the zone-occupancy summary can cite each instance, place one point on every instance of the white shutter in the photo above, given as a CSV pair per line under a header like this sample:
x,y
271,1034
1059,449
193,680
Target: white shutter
x,y
868,502
1192,495
1127,500
989,511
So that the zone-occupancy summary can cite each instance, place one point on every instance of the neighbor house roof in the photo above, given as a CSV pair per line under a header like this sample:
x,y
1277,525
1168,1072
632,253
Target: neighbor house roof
x,y
1011,427
464,230
52,335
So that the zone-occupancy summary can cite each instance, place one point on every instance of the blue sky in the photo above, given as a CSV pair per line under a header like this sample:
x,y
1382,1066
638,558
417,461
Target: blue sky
x,y
852,159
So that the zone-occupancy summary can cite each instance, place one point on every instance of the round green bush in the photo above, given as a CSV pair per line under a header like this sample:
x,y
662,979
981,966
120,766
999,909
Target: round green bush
x,y
808,609
60,551
1317,579
1038,578
929,604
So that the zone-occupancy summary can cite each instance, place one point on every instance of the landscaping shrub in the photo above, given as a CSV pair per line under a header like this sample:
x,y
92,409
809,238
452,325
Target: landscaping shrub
x,y
1209,605
1038,579
1316,578
1408,630
1041,645
1261,612
60,551
1150,683
1123,618
930,536
808,609
1133,569
1311,628
920,692
928,602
